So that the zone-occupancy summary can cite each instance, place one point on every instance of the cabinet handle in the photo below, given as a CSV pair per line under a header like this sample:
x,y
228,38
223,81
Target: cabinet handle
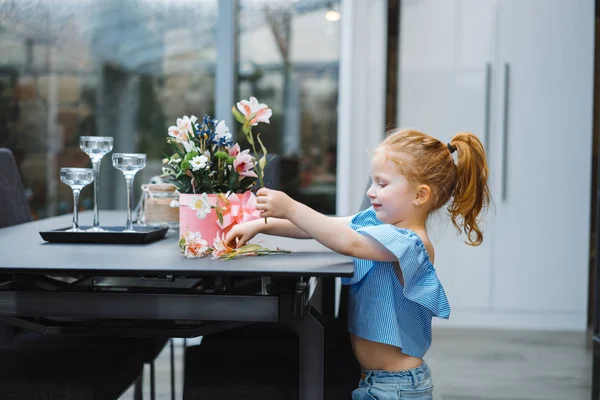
x,y
487,107
505,131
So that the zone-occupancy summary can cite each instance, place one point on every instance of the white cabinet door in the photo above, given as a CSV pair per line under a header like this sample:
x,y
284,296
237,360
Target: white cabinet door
x,y
544,59
443,89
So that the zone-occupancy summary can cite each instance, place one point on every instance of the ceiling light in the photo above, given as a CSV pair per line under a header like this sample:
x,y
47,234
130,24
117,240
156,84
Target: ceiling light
x,y
332,16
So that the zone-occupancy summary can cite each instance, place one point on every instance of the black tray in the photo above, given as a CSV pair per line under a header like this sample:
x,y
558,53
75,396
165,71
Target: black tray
x,y
112,235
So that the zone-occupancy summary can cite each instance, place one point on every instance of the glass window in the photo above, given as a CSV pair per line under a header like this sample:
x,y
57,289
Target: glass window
x,y
128,69
289,59
117,68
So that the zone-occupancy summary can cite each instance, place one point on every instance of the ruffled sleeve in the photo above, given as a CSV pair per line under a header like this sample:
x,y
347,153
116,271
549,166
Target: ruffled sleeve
x,y
421,283
361,267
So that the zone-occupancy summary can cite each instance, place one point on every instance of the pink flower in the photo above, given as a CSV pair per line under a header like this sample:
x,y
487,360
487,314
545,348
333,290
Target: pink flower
x,y
220,248
195,246
234,150
254,112
243,164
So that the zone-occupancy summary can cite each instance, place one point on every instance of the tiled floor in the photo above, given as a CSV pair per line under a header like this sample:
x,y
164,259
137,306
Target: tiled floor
x,y
476,365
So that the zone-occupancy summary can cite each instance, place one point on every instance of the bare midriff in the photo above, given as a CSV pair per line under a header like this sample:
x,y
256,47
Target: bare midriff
x,y
380,356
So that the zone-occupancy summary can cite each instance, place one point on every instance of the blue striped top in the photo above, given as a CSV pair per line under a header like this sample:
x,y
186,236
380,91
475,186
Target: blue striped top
x,y
383,310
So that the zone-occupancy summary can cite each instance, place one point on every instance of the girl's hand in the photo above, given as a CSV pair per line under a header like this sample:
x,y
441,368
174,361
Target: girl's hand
x,y
274,203
240,234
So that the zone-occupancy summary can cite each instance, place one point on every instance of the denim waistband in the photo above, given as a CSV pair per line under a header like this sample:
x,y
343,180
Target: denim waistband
x,y
413,375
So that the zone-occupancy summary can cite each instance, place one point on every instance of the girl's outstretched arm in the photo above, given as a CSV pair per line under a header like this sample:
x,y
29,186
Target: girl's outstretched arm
x,y
275,226
330,232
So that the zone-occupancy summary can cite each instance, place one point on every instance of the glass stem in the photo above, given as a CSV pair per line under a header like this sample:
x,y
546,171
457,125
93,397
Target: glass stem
x,y
76,209
129,180
96,166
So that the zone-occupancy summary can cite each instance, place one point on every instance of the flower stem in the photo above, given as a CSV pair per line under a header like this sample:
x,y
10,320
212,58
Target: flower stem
x,y
260,172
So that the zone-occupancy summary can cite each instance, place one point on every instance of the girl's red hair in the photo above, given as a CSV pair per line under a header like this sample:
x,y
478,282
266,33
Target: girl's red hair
x,y
430,162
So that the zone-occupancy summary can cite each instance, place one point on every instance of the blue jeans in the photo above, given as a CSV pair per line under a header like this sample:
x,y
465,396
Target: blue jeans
x,y
413,384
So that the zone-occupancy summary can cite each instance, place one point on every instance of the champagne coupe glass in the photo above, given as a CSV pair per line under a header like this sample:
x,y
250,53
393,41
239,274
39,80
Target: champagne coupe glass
x,y
96,147
129,164
77,179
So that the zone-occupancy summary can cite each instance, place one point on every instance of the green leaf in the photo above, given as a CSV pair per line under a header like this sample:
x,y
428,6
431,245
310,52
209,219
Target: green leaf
x,y
238,115
270,160
185,166
230,160
219,214
263,160
248,248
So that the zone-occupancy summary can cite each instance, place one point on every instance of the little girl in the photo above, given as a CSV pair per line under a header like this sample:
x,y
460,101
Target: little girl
x,y
395,291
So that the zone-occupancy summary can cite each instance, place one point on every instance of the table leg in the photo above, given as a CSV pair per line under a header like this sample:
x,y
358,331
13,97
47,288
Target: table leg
x,y
172,351
595,378
138,392
152,381
311,333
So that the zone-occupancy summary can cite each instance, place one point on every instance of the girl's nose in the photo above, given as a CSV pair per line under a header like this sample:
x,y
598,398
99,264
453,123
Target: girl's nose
x,y
371,193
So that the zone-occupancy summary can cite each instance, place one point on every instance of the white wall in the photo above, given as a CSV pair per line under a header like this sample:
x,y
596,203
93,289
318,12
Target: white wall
x,y
361,105
532,270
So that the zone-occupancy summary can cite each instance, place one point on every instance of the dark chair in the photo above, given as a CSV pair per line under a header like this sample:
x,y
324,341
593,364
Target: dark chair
x,y
42,366
13,210
13,205
81,368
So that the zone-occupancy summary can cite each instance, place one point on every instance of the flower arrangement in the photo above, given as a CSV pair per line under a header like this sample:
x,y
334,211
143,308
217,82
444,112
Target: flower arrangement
x,y
207,161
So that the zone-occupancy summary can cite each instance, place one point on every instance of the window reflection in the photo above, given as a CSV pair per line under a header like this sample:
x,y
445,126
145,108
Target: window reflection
x,y
289,58
98,67
128,69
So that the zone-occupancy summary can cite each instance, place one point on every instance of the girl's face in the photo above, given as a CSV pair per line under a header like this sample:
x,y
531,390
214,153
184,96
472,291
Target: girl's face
x,y
392,195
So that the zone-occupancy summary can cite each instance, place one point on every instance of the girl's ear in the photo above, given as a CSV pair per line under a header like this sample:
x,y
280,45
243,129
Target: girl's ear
x,y
423,194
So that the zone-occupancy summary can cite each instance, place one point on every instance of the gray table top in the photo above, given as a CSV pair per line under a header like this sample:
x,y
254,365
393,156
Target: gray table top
x,y
23,250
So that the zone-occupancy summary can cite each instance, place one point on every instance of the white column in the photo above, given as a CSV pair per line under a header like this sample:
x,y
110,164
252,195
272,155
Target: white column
x,y
227,55
361,104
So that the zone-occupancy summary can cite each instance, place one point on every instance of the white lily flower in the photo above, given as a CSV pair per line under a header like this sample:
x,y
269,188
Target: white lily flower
x,y
201,204
195,246
185,124
189,147
222,131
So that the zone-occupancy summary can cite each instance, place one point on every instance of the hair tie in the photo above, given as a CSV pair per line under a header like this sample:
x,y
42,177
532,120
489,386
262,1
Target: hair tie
x,y
451,148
